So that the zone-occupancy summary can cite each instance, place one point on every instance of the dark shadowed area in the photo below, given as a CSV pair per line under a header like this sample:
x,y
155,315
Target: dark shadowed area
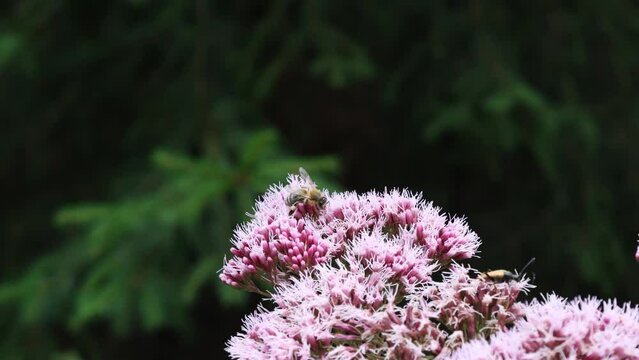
x,y
137,134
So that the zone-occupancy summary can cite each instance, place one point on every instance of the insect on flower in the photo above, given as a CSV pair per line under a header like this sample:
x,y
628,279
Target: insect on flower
x,y
309,196
504,275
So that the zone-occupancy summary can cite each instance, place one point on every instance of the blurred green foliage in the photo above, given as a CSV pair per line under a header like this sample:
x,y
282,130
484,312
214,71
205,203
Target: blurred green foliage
x,y
142,259
522,116
138,263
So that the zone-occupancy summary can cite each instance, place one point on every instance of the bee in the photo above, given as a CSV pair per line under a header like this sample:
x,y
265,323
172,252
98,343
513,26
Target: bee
x,y
306,195
504,275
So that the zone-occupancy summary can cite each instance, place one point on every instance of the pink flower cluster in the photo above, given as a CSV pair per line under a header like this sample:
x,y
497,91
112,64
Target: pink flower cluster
x,y
277,244
376,276
274,243
273,249
557,329
472,305
351,310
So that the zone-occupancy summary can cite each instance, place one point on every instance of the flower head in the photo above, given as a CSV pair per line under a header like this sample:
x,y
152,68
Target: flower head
x,y
394,228
556,328
275,243
473,305
377,276
330,310
453,241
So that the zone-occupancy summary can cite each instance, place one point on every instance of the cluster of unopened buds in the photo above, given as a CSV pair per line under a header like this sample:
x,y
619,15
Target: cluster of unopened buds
x,y
379,276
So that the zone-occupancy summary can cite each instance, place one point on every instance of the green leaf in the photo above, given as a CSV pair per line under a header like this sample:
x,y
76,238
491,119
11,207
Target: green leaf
x,y
10,46
81,214
203,272
171,161
152,303
260,145
454,118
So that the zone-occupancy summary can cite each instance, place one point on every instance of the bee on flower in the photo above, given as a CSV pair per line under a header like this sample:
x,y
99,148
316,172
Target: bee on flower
x,y
310,196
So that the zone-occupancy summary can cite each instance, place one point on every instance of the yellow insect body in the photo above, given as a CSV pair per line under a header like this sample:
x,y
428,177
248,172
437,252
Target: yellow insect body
x,y
310,196
499,275
502,275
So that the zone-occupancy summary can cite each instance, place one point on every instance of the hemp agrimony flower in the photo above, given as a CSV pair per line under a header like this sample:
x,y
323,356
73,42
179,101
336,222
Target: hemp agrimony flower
x,y
377,276
559,329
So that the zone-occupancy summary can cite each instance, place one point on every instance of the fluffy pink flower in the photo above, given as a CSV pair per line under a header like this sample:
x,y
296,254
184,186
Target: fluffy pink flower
x,y
413,334
345,217
275,244
637,254
353,309
580,329
443,239
409,263
336,310
266,336
356,280
472,305
454,241
273,250
394,209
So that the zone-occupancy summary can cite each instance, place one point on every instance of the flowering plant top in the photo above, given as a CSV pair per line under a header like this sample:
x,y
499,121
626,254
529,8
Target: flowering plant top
x,y
378,276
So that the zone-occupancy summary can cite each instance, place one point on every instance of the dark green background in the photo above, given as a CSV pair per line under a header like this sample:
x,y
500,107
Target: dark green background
x,y
136,134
